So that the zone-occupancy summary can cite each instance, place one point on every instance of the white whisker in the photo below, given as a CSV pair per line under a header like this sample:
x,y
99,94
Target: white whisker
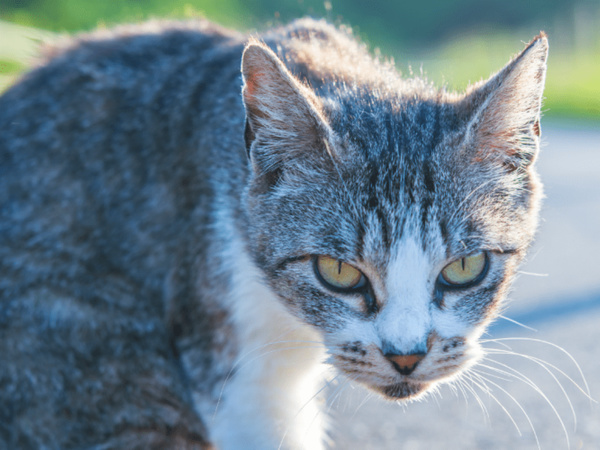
x,y
518,375
562,350
517,323
336,394
484,380
461,386
366,398
326,385
484,409
533,274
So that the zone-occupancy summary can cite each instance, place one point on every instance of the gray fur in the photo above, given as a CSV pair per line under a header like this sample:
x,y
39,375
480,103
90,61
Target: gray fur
x,y
123,154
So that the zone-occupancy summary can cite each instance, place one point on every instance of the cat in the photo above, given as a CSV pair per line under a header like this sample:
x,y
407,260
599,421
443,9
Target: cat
x,y
187,249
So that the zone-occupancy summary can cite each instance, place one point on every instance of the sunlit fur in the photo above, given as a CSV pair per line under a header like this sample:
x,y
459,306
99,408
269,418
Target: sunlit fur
x,y
161,211
398,179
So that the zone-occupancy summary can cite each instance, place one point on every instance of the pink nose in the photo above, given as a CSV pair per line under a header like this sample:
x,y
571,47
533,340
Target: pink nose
x,y
405,364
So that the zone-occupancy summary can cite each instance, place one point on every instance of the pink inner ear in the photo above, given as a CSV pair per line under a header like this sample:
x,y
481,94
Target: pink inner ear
x,y
536,128
495,144
252,83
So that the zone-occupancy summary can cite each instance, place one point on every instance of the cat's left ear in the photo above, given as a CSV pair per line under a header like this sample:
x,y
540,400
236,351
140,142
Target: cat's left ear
x,y
505,111
283,116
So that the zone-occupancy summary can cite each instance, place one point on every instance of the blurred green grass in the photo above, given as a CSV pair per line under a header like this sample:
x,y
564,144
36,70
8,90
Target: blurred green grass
x,y
572,82
572,85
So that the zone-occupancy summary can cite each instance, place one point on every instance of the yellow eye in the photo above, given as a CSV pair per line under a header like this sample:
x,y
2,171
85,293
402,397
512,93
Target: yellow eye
x,y
465,270
338,274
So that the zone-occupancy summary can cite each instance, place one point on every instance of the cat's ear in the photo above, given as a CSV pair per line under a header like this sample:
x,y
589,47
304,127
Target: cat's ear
x,y
504,112
283,116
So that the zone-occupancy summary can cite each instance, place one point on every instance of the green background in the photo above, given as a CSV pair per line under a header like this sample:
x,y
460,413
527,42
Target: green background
x,y
451,42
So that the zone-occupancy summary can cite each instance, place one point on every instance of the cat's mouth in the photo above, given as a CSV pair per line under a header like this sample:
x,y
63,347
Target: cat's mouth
x,y
404,390
405,377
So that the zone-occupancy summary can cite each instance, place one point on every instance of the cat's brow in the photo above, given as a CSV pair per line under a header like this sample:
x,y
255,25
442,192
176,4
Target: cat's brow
x,y
281,264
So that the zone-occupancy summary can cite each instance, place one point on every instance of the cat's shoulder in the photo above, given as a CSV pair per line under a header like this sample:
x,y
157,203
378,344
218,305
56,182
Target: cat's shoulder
x,y
170,36
119,56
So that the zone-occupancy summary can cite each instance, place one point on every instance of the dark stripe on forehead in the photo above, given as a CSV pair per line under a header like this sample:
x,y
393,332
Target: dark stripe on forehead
x,y
374,205
360,240
385,235
409,184
444,229
400,226
425,216
373,201
444,233
428,177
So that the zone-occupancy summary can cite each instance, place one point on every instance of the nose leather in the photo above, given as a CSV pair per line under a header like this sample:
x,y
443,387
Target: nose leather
x,y
405,364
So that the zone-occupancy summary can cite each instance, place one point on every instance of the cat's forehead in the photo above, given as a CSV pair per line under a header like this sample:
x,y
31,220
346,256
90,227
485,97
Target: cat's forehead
x,y
401,172
382,125
404,175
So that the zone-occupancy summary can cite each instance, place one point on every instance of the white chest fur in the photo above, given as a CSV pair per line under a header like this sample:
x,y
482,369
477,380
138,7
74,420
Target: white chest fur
x,y
272,398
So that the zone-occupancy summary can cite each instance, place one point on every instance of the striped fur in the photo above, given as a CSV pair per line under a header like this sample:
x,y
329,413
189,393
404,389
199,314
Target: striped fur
x,y
158,229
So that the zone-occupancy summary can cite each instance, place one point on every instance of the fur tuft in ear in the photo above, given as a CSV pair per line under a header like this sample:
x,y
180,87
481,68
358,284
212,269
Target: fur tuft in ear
x,y
505,110
283,117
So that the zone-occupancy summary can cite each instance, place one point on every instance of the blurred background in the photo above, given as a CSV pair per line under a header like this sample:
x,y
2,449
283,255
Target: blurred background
x,y
450,41
532,390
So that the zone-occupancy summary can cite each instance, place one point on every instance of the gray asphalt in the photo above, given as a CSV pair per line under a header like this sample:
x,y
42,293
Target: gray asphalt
x,y
558,295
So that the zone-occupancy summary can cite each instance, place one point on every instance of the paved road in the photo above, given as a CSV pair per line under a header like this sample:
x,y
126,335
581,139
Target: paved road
x,y
563,306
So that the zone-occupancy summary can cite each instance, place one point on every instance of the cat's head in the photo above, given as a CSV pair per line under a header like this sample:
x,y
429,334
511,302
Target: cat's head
x,y
390,215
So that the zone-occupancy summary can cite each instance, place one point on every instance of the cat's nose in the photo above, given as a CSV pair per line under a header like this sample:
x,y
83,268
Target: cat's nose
x,y
405,364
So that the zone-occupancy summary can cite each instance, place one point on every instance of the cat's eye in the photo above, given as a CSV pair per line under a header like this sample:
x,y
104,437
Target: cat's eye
x,y
465,271
338,275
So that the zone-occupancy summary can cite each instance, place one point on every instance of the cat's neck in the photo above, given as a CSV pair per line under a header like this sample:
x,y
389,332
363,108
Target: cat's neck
x,y
279,375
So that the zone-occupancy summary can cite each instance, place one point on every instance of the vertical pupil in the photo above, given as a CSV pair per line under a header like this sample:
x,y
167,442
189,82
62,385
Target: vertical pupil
x,y
462,261
339,267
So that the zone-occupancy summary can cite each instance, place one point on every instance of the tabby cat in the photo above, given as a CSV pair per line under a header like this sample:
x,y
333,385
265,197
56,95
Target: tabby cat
x,y
185,249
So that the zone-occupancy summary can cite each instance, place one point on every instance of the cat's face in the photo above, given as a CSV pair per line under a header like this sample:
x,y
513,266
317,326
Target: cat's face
x,y
397,231
378,266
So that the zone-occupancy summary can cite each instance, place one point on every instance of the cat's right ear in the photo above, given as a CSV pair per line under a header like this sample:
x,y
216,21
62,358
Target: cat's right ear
x,y
283,117
504,124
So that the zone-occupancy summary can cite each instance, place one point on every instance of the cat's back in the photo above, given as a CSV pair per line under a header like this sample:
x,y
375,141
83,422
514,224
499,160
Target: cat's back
x,y
98,143
136,89
83,82
104,151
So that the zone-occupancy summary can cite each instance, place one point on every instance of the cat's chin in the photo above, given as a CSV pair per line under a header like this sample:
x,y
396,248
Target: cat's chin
x,y
404,390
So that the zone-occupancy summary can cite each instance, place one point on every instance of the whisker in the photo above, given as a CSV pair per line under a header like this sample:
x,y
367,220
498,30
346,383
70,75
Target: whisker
x,y
366,398
346,382
562,350
474,373
326,384
533,274
496,376
517,323
319,410
529,382
484,409
461,386
546,366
